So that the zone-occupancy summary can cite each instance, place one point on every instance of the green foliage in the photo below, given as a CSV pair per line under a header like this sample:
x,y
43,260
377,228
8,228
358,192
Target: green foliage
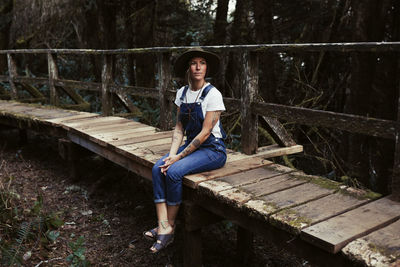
x,y
23,230
77,257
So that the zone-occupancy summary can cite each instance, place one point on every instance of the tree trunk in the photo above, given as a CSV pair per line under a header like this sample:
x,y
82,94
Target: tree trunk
x,y
238,32
220,35
5,13
263,29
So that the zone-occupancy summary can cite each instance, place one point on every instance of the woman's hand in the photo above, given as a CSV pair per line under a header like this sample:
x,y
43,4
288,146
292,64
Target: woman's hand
x,y
168,161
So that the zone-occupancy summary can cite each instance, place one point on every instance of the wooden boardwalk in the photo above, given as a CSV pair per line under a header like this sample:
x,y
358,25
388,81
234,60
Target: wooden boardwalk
x,y
301,211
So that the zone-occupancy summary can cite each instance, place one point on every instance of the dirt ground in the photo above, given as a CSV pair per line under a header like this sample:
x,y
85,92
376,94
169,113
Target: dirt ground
x,y
110,207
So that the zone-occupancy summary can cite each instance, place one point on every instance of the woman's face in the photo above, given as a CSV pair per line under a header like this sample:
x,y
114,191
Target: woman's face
x,y
198,68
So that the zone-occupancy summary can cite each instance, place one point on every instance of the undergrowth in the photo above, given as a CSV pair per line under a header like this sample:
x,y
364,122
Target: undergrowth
x,y
23,228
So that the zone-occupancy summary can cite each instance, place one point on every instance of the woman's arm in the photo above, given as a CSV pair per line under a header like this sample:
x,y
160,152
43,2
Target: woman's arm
x,y
209,122
177,135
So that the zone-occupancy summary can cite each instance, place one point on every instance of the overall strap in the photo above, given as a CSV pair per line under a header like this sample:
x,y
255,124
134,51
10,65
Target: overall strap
x,y
205,91
184,93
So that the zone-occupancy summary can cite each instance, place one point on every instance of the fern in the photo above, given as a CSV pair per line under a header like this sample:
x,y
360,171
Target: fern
x,y
12,254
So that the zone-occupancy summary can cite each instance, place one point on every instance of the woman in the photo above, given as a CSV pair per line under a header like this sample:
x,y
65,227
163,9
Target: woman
x,y
199,108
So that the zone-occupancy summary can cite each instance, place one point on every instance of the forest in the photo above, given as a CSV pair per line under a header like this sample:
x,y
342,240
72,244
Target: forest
x,y
360,83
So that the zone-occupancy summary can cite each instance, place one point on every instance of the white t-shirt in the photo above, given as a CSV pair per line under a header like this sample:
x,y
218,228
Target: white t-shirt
x,y
212,102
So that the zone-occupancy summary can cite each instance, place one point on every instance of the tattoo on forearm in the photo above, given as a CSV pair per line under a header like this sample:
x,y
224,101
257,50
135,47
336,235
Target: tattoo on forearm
x,y
191,147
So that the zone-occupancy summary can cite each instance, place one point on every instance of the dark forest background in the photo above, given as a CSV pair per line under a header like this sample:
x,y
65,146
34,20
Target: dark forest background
x,y
362,83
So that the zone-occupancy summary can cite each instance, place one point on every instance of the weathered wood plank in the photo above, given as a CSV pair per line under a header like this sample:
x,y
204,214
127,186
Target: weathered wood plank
x,y
379,248
333,234
266,205
105,138
274,184
78,117
243,178
278,132
107,125
128,147
119,130
232,167
89,121
249,87
297,218
265,152
136,140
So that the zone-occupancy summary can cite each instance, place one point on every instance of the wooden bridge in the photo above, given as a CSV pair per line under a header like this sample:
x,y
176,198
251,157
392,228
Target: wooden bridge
x,y
321,220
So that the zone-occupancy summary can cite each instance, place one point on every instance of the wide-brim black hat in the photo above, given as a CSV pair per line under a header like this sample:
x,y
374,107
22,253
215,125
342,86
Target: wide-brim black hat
x,y
182,62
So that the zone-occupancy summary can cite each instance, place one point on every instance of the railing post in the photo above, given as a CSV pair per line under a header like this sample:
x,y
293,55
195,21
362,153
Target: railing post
x,y
53,75
249,90
12,72
106,79
164,82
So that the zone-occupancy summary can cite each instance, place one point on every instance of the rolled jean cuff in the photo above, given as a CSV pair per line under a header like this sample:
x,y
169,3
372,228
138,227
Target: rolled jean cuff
x,y
159,200
173,203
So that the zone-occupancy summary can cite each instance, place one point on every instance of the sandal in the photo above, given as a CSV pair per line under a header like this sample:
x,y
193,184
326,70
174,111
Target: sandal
x,y
153,235
162,242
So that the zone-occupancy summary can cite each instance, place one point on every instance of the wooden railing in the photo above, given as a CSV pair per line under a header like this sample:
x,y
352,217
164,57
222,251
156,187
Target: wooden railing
x,y
248,105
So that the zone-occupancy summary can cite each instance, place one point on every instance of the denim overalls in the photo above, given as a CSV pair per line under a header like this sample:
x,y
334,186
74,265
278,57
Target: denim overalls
x,y
209,156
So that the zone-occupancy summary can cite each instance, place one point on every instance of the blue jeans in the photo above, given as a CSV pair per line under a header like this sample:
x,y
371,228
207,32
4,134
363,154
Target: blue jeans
x,y
168,188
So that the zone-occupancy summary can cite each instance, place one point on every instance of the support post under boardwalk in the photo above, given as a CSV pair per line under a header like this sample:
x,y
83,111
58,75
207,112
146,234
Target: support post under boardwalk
x,y
106,79
395,186
12,72
53,75
249,90
164,83
244,244
192,254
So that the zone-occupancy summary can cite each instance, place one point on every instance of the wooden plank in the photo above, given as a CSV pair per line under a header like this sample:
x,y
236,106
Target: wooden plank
x,y
150,143
274,151
333,234
296,195
297,218
233,167
275,184
379,248
104,139
19,109
247,177
278,132
78,117
124,131
89,121
101,124
266,152
136,140
122,122
266,205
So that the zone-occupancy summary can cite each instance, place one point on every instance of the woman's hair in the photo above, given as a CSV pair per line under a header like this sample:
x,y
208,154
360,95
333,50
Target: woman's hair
x,y
187,74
